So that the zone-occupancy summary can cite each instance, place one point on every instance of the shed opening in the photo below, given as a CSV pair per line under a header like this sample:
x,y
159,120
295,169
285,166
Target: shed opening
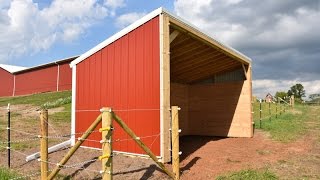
x,y
211,87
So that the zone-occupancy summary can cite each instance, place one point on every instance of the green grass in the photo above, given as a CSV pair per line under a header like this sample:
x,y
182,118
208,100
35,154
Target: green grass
x,y
59,102
288,127
35,99
64,116
249,174
6,174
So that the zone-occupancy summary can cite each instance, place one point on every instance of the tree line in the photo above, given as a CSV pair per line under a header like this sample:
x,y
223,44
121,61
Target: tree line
x,y
296,90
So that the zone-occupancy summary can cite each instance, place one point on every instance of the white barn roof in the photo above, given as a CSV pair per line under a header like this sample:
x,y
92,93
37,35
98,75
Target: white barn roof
x,y
12,69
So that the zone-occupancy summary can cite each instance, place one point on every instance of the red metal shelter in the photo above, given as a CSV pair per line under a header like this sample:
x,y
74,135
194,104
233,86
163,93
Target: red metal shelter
x,y
133,71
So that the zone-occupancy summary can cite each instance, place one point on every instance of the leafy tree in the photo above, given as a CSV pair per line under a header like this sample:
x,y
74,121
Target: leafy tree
x,y
298,91
281,94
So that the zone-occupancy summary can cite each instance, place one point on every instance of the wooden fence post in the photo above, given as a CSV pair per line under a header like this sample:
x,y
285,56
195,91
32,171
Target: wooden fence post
x,y
260,110
277,109
106,130
269,112
292,101
9,136
175,141
44,143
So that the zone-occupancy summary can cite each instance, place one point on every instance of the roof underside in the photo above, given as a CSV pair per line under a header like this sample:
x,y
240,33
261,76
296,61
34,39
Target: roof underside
x,y
191,60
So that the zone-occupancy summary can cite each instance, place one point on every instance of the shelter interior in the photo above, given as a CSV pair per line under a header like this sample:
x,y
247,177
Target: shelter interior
x,y
209,86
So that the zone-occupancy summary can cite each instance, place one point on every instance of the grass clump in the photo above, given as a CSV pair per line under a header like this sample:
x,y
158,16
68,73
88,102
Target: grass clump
x,y
63,116
249,174
6,174
59,102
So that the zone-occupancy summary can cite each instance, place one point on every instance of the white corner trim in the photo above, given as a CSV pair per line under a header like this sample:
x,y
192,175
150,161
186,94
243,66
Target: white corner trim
x,y
73,105
118,35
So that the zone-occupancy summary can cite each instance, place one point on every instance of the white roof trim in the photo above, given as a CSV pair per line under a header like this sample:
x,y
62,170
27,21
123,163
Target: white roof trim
x,y
12,69
139,23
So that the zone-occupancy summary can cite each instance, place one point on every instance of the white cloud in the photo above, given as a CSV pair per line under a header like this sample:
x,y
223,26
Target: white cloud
x,y
27,29
126,19
282,37
114,4
264,86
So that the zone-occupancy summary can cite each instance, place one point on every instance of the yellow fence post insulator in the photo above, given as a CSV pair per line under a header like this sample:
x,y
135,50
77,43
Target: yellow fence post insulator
x,y
105,129
104,156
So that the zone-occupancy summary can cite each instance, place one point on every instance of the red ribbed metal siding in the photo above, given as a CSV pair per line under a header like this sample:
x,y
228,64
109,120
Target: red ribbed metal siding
x,y
40,80
125,75
65,77
6,83
44,80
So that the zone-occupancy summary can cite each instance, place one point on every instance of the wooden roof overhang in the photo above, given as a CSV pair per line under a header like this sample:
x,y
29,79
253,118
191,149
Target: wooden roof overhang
x,y
195,57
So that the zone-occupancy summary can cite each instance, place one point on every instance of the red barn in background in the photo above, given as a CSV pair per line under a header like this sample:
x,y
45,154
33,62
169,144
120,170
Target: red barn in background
x,y
54,76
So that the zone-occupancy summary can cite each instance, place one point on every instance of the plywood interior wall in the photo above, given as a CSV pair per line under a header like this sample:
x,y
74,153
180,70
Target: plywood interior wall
x,y
214,109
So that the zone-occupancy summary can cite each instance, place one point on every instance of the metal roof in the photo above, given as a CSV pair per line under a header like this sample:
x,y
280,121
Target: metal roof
x,y
11,68
19,69
144,20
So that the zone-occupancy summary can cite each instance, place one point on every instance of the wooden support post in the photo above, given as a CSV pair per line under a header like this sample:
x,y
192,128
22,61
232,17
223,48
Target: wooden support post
x,y
44,143
279,106
65,159
277,109
292,101
269,112
106,131
260,115
175,141
124,126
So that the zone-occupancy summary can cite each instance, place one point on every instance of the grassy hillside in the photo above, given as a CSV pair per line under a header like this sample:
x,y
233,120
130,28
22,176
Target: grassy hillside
x,y
35,99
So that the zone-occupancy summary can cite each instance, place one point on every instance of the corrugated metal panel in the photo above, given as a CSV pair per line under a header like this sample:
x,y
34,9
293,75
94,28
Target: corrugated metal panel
x,y
125,75
6,83
41,80
65,77
44,80
237,75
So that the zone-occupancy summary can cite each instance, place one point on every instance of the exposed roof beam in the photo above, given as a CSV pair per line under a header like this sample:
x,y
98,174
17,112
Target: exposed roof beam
x,y
173,35
244,71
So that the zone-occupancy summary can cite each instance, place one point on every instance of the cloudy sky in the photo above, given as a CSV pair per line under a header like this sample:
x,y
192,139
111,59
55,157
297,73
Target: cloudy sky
x,y
281,37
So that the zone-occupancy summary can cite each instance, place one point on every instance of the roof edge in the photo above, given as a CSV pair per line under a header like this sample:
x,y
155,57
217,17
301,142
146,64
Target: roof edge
x,y
187,23
145,19
61,61
118,35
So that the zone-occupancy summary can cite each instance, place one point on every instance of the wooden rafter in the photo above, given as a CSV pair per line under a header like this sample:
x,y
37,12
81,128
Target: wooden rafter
x,y
173,35
244,71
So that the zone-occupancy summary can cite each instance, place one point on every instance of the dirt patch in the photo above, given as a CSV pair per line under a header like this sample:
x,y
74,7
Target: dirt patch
x,y
216,156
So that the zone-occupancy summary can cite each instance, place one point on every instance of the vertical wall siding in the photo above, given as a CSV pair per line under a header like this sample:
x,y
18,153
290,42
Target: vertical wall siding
x,y
125,75
6,83
65,77
41,80
44,80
